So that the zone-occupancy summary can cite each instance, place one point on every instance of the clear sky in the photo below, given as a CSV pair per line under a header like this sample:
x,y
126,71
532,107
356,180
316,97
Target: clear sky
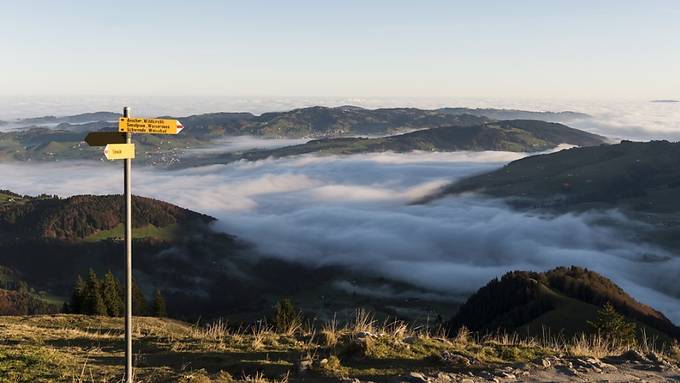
x,y
523,49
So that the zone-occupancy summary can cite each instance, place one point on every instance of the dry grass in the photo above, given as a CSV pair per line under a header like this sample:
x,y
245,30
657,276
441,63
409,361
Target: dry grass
x,y
68,348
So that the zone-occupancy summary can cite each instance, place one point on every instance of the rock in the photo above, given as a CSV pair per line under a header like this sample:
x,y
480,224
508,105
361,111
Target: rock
x,y
365,334
545,363
454,358
304,365
467,380
634,356
417,377
411,339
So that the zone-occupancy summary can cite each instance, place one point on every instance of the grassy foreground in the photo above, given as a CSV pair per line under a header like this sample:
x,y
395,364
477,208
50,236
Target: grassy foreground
x,y
75,348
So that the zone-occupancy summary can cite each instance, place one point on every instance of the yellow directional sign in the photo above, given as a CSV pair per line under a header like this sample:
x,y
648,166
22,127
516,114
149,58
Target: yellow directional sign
x,y
119,151
149,125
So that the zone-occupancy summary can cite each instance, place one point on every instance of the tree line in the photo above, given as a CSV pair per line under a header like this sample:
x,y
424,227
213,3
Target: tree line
x,y
94,296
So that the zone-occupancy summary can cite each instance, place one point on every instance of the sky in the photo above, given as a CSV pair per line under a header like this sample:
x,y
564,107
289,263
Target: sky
x,y
499,49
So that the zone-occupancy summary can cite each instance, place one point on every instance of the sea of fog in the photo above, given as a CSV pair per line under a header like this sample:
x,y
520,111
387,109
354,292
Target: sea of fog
x,y
358,211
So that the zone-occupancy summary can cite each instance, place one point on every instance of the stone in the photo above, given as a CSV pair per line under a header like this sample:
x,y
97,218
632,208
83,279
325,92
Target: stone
x,y
635,356
304,365
417,377
454,358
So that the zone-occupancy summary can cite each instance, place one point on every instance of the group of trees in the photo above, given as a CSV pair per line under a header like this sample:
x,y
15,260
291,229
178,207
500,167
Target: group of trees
x,y
23,301
105,296
80,216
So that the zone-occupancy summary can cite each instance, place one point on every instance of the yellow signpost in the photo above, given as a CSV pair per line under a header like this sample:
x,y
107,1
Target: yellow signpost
x,y
119,151
149,125
119,146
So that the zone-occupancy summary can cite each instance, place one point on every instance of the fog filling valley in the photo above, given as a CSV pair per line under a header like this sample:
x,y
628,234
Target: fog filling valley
x,y
357,211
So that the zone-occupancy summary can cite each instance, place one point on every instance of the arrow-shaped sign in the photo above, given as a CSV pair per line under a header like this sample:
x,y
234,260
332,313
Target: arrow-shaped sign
x,y
149,125
119,151
104,138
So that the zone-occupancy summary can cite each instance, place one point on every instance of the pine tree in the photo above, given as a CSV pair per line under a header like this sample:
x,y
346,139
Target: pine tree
x,y
158,304
612,325
78,297
139,305
110,292
93,302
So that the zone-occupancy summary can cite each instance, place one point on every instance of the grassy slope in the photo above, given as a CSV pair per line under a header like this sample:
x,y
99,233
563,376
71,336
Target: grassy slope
x,y
165,233
570,315
68,347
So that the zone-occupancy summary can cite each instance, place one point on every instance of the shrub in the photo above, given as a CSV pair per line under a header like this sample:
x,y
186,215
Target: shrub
x,y
287,318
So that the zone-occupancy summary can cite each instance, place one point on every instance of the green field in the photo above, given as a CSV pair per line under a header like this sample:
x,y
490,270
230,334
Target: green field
x,y
166,233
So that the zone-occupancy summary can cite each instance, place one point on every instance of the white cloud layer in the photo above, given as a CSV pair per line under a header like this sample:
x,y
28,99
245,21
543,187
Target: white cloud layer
x,y
356,211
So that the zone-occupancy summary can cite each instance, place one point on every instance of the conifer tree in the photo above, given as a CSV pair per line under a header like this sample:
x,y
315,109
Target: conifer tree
x,y
612,325
139,304
78,297
110,292
93,302
158,304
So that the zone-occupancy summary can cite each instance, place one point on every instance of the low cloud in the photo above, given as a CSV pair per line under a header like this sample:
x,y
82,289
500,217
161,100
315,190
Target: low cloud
x,y
356,211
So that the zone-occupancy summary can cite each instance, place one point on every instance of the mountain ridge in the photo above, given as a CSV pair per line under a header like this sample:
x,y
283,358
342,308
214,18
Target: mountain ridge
x,y
511,135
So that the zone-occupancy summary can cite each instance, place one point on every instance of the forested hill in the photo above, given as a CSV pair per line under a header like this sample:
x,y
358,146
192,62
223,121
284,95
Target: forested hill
x,y
512,135
562,300
53,138
81,216
635,176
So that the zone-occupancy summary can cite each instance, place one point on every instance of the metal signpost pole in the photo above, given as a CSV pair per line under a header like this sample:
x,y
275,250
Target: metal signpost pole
x,y
128,258
118,146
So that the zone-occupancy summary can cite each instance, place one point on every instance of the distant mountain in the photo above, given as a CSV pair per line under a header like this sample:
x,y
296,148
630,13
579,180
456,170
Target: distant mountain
x,y
514,114
635,176
559,301
514,135
74,119
60,141
336,122
321,121
665,100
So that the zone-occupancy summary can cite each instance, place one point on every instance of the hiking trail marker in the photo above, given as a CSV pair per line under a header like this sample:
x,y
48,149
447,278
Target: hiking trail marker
x,y
119,151
119,146
149,126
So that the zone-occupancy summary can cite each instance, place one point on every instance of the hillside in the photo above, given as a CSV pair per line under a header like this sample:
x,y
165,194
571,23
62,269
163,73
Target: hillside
x,y
561,300
52,138
636,176
46,241
82,216
513,135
